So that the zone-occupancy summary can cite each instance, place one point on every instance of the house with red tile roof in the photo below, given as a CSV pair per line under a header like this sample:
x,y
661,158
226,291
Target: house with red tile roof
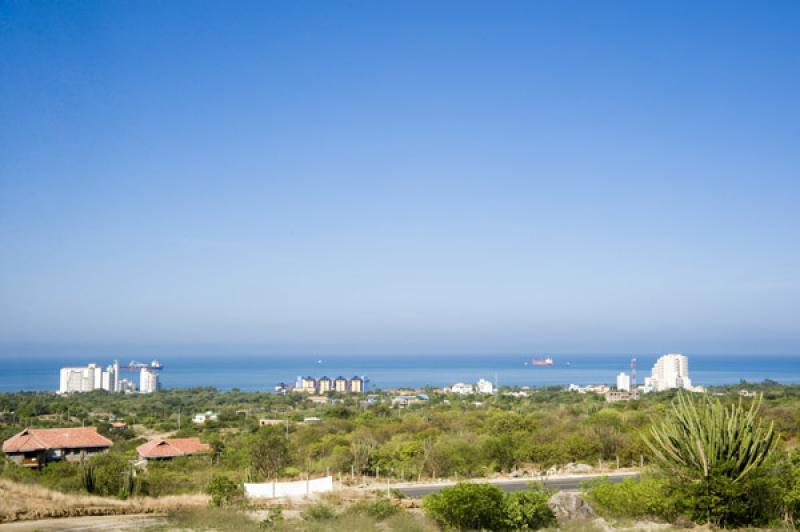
x,y
36,447
165,449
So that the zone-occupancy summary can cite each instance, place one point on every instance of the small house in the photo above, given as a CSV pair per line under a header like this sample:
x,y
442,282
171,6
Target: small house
x,y
36,447
166,449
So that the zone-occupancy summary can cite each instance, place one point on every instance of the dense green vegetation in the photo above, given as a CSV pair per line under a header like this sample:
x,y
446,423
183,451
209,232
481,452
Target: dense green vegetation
x,y
485,507
713,464
448,436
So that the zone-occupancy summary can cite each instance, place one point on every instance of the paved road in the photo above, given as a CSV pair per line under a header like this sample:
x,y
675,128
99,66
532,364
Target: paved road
x,y
563,484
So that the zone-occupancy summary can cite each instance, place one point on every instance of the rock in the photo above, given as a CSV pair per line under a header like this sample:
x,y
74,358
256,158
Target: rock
x,y
568,505
582,468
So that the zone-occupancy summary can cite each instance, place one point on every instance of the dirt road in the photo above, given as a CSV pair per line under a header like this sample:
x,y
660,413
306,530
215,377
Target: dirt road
x,y
105,522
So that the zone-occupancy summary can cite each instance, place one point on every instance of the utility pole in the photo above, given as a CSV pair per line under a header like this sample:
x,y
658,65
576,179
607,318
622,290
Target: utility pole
x,y
179,418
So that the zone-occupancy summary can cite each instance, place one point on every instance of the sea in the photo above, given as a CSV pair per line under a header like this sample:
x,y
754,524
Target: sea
x,y
262,373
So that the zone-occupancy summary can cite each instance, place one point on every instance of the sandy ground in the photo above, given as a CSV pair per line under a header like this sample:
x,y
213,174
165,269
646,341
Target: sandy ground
x,y
110,522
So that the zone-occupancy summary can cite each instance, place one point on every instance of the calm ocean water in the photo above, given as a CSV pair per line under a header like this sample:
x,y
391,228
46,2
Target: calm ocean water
x,y
262,373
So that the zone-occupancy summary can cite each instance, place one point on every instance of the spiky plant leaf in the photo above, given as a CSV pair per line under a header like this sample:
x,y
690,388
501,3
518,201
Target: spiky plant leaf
x,y
700,435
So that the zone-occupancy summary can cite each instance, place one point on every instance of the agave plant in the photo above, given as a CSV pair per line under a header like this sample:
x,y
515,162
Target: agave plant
x,y
701,436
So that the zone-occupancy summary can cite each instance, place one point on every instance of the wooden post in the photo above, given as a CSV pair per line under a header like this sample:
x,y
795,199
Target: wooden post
x,y
352,473
308,487
641,460
617,462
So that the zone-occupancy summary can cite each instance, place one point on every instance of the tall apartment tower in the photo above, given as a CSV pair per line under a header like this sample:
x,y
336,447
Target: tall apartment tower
x,y
116,376
623,382
148,381
671,371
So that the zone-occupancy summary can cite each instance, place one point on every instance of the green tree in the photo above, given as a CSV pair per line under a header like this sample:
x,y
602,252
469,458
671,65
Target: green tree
x,y
269,452
111,474
223,491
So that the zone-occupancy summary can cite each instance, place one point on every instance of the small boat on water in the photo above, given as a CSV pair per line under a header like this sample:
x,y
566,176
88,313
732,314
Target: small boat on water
x,y
542,361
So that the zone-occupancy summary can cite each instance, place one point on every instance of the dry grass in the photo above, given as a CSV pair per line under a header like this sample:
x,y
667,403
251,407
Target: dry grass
x,y
24,502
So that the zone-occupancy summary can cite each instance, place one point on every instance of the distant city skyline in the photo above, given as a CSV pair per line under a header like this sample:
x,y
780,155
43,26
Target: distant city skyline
x,y
191,178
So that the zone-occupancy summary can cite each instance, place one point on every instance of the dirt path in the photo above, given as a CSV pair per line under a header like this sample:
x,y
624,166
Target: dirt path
x,y
105,522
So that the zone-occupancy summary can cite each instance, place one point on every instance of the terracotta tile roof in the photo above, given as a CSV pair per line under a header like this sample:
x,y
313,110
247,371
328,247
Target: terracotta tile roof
x,y
169,448
42,439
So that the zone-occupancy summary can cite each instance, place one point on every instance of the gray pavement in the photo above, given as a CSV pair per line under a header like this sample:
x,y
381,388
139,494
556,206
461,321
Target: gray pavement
x,y
570,483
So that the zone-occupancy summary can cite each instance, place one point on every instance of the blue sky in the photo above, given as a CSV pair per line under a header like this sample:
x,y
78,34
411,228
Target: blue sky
x,y
399,177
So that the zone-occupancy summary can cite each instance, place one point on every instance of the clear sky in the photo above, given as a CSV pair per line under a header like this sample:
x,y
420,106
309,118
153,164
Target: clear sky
x,y
399,177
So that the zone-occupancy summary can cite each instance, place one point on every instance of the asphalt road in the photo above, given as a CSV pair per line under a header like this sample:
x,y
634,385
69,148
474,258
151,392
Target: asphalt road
x,y
563,484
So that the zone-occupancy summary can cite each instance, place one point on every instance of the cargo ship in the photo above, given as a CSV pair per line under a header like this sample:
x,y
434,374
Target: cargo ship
x,y
542,361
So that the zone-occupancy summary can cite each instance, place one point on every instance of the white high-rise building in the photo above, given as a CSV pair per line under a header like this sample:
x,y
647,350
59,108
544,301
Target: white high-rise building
x,y
81,379
624,382
109,378
670,371
148,381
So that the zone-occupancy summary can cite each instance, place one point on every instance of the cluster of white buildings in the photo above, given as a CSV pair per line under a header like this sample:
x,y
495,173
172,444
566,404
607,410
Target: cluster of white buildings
x,y
482,386
670,372
202,418
589,388
324,385
93,377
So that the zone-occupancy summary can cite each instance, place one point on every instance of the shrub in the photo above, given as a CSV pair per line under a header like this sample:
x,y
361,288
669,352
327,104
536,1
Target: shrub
x,y
645,498
62,476
223,491
467,507
274,517
318,512
528,510
379,509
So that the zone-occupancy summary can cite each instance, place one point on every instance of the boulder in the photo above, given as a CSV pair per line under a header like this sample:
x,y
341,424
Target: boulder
x,y
567,505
